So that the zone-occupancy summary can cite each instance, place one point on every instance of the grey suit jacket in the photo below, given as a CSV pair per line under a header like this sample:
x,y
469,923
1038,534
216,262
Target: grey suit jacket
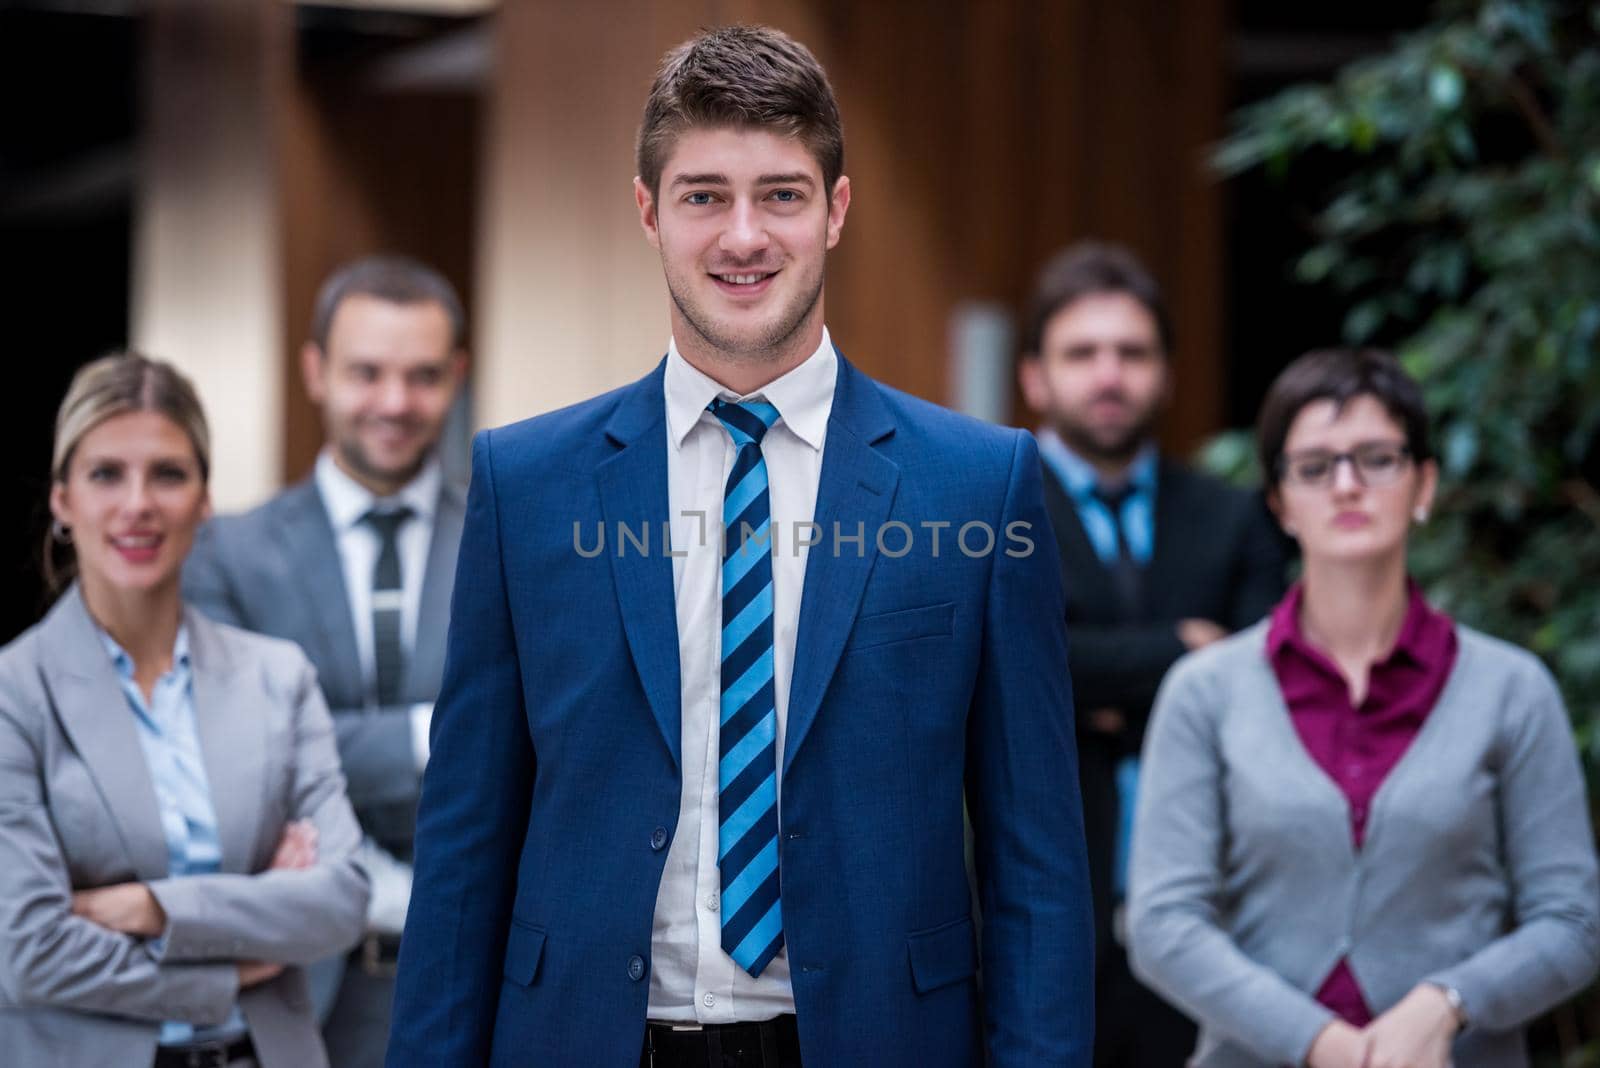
x,y
276,570
78,809
1478,870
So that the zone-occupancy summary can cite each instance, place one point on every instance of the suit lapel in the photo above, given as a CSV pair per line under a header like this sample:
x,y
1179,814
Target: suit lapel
x,y
1173,513
1086,579
313,551
94,713
233,743
426,665
854,495
633,491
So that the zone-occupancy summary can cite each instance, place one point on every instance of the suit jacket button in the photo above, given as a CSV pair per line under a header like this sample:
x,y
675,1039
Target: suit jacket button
x,y
636,967
658,840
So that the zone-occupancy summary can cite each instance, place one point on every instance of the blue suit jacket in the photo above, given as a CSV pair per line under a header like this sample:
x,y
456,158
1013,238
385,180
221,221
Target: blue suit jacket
x,y
919,679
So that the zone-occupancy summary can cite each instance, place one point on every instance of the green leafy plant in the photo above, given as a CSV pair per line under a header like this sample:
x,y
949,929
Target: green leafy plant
x,y
1467,230
1462,229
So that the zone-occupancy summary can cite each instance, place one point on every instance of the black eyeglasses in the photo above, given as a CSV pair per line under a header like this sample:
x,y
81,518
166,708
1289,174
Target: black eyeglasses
x,y
1374,463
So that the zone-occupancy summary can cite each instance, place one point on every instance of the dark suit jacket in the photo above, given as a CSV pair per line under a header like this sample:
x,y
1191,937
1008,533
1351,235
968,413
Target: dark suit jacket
x,y
275,570
555,784
1217,556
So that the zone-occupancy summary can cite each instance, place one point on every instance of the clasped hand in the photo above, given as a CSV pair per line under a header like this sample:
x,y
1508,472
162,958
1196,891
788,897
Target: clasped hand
x,y
1416,1033
131,909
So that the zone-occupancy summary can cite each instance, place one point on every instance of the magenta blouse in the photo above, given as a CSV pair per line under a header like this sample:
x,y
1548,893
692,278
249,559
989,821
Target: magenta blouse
x,y
1358,745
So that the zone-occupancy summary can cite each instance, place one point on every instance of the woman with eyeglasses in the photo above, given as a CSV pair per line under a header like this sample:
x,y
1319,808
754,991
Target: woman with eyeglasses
x,y
175,841
1362,839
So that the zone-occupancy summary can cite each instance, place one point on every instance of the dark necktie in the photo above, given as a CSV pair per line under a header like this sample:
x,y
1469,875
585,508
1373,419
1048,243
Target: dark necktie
x,y
1126,574
747,780
388,596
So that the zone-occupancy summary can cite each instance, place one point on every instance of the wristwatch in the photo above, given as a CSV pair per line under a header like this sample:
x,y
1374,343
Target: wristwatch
x,y
1453,996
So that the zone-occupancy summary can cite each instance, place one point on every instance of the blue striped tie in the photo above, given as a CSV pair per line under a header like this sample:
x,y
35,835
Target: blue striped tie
x,y
747,840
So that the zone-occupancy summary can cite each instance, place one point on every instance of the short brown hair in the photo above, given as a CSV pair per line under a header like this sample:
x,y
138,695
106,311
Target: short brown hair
x,y
396,279
1085,269
741,76
1340,375
114,385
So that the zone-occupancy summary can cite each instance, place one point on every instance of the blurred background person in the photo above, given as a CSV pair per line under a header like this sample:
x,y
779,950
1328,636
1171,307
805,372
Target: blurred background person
x,y
177,839
356,564
1157,559
1363,838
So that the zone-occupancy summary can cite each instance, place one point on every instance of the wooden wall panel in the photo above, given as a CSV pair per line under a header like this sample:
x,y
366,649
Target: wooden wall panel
x,y
572,301
981,137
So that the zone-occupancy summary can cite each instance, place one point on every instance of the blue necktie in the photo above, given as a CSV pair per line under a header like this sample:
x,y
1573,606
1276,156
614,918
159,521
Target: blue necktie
x,y
747,840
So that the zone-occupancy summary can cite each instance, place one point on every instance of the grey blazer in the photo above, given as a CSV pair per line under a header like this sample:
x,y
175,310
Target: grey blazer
x,y
276,570
78,809
1478,870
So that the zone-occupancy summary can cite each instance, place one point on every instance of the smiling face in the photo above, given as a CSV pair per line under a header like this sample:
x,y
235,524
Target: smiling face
x,y
1357,516
385,385
743,224
132,497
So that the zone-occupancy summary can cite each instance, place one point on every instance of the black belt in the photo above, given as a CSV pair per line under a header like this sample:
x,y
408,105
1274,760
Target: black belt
x,y
205,1054
771,1043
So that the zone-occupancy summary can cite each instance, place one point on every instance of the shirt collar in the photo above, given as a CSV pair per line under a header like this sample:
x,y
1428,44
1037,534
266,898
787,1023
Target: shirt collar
x,y
1080,477
1285,625
123,663
1423,632
348,500
1426,630
803,395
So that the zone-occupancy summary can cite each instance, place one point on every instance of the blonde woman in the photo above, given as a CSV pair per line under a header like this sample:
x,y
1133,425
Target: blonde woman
x,y
174,835
1362,839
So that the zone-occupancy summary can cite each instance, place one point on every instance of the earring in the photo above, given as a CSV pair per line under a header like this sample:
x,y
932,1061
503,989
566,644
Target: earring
x,y
1288,528
60,533
1420,515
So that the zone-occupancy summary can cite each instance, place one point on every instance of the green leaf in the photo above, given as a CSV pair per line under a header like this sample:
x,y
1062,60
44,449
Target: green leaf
x,y
1363,133
1445,88
1363,321
1460,450
1317,262
1459,136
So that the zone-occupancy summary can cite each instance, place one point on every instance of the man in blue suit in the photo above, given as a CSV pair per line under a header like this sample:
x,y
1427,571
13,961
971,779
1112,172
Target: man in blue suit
x,y
729,647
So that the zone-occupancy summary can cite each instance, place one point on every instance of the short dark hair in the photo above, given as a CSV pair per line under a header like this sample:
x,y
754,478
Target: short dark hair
x,y
1340,375
1084,269
741,76
397,279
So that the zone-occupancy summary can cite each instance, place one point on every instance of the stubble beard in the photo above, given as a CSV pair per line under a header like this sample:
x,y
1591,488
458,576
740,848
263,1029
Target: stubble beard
x,y
1099,448
361,462
769,346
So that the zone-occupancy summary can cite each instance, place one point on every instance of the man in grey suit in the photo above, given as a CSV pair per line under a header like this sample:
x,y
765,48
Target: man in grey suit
x,y
356,564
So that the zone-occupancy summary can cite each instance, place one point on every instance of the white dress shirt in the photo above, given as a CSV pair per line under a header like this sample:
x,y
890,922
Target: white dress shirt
x,y
347,501
691,978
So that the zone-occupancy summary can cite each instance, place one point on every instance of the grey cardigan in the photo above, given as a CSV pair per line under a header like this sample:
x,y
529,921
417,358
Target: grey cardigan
x,y
78,809
1478,869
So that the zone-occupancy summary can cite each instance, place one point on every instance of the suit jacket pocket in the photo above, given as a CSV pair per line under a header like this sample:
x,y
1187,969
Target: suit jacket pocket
x,y
943,955
524,949
930,621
